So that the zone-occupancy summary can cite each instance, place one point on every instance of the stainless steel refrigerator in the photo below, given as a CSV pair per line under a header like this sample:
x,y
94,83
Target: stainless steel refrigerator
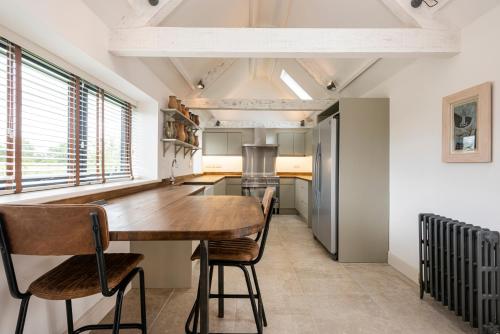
x,y
325,184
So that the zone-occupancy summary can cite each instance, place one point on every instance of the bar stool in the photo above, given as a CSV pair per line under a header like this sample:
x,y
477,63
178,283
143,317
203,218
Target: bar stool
x,y
78,230
238,253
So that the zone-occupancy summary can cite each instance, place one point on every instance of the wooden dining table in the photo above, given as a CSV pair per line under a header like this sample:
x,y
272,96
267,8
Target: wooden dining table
x,y
171,213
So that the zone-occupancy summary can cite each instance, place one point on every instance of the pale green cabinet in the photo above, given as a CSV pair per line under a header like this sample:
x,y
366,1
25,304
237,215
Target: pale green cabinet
x,y
292,144
233,186
222,143
234,142
214,143
287,193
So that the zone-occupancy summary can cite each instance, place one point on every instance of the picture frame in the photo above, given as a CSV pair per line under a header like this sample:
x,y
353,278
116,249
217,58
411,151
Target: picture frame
x,y
467,125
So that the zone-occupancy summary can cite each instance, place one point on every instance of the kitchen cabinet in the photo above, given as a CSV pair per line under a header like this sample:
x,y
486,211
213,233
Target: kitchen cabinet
x,y
222,143
287,193
220,188
209,191
233,186
292,144
302,198
234,142
214,143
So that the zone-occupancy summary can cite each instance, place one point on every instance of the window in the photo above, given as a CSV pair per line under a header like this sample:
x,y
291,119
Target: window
x,y
70,132
294,86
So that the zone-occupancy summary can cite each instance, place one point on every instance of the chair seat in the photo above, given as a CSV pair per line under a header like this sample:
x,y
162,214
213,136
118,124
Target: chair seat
x,y
78,277
242,249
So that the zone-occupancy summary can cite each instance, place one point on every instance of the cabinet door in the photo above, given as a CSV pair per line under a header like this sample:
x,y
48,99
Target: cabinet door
x,y
215,143
233,189
299,144
220,188
287,196
285,142
234,142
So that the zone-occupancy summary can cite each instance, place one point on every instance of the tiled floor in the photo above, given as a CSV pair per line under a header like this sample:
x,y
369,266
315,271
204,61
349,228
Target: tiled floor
x,y
305,292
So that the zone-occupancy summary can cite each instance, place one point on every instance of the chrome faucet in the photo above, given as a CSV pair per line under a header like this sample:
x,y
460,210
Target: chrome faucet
x,y
172,176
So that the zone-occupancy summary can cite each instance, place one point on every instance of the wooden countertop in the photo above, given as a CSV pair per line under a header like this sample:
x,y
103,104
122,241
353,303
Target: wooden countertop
x,y
170,213
209,179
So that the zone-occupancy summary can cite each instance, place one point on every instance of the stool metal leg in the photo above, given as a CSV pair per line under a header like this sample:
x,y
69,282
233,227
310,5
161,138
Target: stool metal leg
x,y
221,290
69,316
258,321
143,302
22,314
204,293
118,312
259,295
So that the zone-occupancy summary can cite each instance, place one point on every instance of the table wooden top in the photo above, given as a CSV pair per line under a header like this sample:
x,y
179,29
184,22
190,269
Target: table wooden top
x,y
169,213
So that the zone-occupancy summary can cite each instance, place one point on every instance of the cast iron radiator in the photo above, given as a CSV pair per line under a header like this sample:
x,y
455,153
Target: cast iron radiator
x,y
460,267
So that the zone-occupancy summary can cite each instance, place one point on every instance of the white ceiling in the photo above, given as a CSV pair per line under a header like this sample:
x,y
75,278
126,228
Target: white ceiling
x,y
259,78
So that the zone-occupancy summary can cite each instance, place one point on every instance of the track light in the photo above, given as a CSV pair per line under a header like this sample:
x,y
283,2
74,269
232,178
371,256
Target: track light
x,y
217,123
418,3
200,85
331,86
154,2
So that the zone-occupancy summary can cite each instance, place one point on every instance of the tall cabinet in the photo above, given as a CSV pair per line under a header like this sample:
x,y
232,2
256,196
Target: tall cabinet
x,y
362,187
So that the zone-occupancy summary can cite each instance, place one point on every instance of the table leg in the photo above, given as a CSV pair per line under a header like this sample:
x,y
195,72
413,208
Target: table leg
x,y
204,287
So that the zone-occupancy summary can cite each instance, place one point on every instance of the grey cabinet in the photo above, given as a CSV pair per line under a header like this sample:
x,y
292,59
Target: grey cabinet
x,y
285,142
233,186
220,188
302,198
222,143
234,142
299,144
214,143
287,193
292,144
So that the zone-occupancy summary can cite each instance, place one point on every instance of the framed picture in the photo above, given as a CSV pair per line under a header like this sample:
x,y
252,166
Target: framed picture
x,y
467,125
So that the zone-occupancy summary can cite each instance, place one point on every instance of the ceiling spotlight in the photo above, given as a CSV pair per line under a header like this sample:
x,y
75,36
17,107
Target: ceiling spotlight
x,y
331,86
200,85
418,3
154,2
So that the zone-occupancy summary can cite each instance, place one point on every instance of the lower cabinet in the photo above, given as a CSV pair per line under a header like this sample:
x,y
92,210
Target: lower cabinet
x,y
233,186
287,193
209,191
302,198
220,188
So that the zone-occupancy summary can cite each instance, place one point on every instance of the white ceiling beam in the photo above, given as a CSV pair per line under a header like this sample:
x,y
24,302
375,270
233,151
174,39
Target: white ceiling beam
x,y
258,104
314,70
413,17
282,42
183,72
143,14
214,74
258,124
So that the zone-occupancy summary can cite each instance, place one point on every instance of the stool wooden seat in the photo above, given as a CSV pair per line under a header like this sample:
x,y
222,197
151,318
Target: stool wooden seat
x,y
242,249
62,230
77,277
239,253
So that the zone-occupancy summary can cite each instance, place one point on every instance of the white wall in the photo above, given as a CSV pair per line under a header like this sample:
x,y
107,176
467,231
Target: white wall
x,y
419,180
220,164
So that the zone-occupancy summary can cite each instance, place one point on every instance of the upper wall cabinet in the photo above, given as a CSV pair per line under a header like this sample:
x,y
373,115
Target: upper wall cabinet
x,y
292,144
222,143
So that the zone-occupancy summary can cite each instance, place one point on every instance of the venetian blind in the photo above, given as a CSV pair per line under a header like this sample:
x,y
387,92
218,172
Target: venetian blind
x,y
7,117
48,125
117,138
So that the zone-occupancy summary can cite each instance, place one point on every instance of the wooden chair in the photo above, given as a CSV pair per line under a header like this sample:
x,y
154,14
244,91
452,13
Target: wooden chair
x,y
239,253
78,230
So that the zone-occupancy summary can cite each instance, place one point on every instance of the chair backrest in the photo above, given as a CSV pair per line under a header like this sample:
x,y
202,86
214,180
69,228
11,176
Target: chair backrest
x,y
266,200
52,229
269,204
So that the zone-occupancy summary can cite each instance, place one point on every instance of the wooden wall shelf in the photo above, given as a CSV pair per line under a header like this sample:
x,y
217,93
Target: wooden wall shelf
x,y
179,145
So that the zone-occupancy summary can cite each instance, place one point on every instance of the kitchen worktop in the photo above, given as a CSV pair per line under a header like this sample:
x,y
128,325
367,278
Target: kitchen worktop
x,y
209,179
